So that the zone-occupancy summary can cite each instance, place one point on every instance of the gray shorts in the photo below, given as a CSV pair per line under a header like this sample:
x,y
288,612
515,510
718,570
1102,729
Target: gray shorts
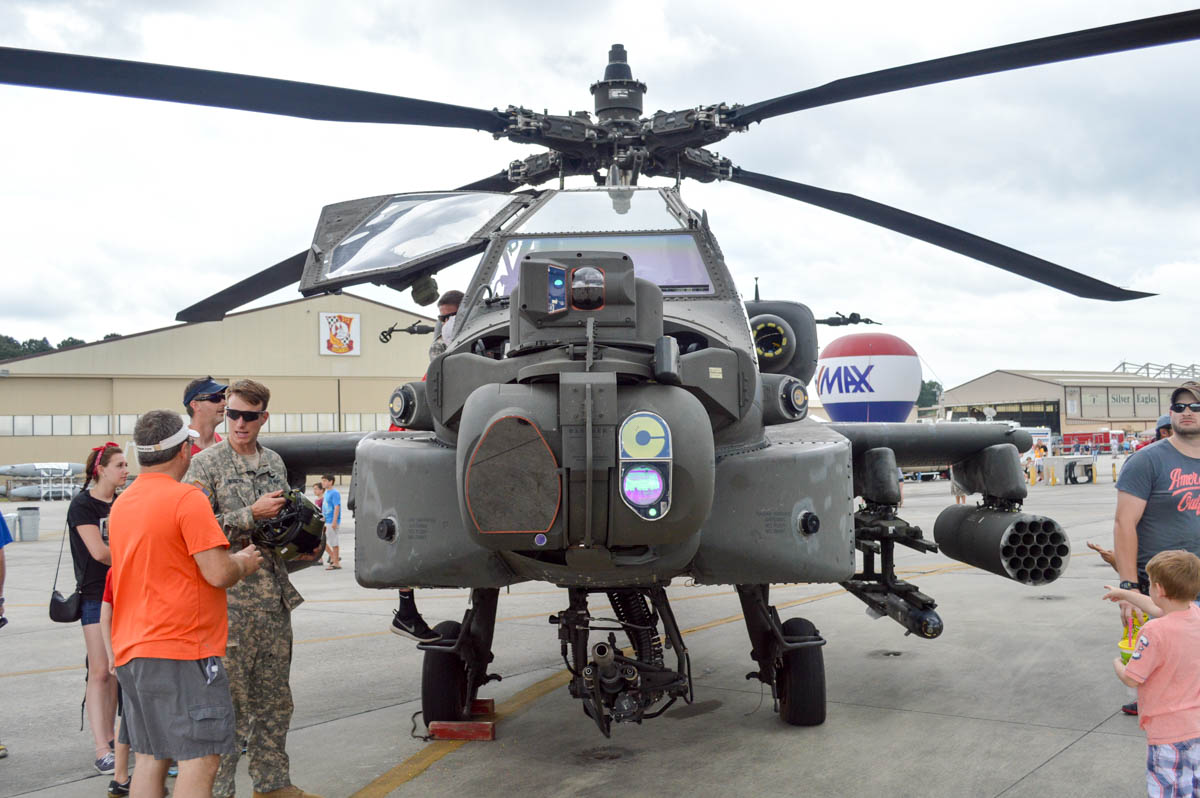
x,y
331,536
176,709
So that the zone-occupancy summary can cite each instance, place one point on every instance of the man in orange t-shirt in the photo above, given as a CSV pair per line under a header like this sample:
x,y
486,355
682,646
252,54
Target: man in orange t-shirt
x,y
170,568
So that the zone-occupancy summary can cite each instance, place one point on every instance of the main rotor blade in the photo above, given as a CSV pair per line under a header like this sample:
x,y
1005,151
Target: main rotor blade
x,y
214,308
1149,32
944,236
175,84
497,182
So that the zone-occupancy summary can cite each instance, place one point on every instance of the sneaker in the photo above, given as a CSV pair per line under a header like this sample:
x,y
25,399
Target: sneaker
x,y
1130,708
106,764
173,770
3,751
414,629
118,790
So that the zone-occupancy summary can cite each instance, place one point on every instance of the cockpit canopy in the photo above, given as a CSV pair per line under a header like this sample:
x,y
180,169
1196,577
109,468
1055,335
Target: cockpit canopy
x,y
395,240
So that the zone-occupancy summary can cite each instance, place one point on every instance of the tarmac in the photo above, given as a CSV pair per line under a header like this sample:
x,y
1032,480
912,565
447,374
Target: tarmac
x,y
1016,698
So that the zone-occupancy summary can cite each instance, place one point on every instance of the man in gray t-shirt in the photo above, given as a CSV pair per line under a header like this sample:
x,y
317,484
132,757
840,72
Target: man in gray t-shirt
x,y
1158,499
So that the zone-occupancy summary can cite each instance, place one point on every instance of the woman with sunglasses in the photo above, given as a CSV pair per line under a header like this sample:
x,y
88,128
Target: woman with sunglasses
x,y
87,527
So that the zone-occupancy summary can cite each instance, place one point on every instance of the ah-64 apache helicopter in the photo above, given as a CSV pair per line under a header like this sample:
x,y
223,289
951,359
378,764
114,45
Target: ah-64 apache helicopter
x,y
610,414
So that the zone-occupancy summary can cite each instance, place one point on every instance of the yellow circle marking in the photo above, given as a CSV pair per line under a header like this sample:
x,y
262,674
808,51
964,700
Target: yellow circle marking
x,y
650,425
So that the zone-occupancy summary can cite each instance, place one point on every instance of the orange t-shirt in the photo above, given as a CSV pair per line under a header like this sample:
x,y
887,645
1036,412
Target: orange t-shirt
x,y
162,605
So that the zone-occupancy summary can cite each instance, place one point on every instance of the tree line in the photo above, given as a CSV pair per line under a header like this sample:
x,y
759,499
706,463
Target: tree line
x,y
11,347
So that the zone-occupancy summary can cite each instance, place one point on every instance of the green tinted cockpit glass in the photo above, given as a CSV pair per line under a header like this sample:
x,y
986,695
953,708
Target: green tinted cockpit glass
x,y
670,260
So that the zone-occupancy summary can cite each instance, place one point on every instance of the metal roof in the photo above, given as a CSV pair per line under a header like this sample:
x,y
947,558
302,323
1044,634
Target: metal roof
x,y
1114,378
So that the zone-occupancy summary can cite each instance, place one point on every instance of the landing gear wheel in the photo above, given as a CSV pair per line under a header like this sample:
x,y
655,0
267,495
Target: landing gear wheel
x,y
444,690
800,680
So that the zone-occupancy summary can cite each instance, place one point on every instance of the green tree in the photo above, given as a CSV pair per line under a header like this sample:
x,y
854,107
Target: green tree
x,y
35,346
111,336
69,342
9,347
931,391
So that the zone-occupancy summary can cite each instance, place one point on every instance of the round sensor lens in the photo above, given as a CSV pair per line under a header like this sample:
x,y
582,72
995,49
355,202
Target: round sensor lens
x,y
587,288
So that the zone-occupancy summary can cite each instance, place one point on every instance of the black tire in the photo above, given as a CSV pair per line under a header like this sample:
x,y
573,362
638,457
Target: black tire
x,y
801,679
444,694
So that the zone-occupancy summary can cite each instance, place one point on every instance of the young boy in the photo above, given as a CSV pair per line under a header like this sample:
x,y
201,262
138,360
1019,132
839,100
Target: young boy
x,y
1163,669
331,506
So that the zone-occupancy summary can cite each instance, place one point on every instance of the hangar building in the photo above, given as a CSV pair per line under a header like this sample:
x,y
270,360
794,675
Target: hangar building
x,y
1066,401
321,357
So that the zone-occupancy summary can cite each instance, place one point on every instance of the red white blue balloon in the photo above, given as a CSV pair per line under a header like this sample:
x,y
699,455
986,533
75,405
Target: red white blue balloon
x,y
868,377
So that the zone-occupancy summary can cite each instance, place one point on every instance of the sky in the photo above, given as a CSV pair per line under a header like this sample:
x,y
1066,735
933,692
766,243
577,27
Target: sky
x,y
117,213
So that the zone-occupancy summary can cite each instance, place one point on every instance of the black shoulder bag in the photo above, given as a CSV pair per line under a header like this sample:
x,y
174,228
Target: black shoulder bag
x,y
69,609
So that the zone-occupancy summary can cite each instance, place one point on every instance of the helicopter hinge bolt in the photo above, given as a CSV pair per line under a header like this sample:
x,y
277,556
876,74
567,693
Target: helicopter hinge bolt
x,y
808,524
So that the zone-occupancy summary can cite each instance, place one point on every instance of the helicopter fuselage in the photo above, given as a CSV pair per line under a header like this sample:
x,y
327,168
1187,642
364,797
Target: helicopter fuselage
x,y
531,468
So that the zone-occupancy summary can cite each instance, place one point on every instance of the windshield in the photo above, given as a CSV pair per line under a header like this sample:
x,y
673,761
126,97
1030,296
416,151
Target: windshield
x,y
410,227
596,210
670,260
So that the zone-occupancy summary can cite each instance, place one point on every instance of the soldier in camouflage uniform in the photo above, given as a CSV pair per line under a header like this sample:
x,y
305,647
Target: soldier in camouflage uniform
x,y
244,482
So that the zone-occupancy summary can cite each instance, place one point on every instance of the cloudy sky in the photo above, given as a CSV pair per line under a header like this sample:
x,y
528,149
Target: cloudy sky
x,y
115,213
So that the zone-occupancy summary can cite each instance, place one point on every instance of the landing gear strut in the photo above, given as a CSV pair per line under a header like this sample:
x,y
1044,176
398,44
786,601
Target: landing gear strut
x,y
611,685
789,658
455,666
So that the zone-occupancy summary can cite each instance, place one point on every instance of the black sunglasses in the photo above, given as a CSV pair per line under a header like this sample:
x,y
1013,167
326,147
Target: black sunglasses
x,y
248,415
210,397
1179,407
443,316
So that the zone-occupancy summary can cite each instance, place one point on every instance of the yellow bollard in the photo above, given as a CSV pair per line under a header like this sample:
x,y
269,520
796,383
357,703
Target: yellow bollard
x,y
1033,473
1053,477
1114,470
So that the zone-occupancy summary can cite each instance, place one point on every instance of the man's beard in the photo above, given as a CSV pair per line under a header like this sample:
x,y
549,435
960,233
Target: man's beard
x,y
1192,434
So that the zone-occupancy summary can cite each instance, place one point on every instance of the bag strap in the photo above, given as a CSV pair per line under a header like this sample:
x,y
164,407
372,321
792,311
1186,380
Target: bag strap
x,y
61,546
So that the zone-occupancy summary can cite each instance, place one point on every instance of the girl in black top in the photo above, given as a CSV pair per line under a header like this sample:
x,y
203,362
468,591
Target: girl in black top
x,y
87,523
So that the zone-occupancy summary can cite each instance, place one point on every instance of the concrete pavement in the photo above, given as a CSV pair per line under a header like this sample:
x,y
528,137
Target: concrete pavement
x,y
1016,698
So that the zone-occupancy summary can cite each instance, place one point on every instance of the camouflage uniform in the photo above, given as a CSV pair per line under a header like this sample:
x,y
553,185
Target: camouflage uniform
x,y
438,346
259,652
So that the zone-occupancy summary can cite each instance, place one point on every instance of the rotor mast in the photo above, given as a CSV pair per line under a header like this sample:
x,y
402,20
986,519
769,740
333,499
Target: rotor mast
x,y
618,103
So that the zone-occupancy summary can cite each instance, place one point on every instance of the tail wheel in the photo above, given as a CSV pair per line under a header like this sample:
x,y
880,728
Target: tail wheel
x,y
800,680
445,694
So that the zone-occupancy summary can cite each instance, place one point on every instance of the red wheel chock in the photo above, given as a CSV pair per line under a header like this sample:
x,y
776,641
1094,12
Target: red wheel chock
x,y
468,729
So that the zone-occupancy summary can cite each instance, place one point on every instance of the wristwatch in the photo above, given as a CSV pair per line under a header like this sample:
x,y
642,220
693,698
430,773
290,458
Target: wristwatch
x,y
1127,585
